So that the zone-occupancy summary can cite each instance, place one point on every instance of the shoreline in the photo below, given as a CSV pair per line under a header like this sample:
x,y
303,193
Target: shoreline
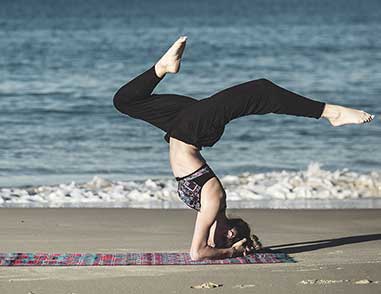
x,y
310,188
366,203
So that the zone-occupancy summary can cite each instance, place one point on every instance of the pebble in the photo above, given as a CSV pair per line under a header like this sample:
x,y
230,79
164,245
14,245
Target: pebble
x,y
363,282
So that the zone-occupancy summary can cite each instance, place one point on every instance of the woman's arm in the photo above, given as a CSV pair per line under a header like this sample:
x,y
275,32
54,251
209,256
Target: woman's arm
x,y
200,248
212,195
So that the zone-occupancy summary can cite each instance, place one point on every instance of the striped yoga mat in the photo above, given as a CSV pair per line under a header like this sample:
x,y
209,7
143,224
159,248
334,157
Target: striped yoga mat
x,y
114,259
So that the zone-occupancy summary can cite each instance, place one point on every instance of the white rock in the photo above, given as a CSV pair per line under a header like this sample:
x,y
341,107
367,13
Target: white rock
x,y
230,180
150,184
363,282
98,183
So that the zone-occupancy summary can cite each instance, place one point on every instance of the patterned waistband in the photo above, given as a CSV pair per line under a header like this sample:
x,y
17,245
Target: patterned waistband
x,y
192,173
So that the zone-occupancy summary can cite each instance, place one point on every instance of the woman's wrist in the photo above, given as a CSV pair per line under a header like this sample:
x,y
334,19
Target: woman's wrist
x,y
233,252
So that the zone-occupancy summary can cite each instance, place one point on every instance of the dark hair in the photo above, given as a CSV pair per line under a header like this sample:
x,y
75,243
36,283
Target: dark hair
x,y
242,227
243,231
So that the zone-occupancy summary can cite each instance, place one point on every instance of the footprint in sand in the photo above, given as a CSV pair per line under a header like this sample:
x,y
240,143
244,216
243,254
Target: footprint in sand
x,y
241,286
322,282
207,285
328,282
336,252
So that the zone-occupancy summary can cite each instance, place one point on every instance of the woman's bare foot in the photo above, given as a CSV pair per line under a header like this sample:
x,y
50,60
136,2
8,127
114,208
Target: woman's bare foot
x,y
170,61
339,115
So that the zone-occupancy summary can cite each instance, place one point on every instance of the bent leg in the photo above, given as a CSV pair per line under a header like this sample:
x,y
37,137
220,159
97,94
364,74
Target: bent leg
x,y
136,100
262,96
136,90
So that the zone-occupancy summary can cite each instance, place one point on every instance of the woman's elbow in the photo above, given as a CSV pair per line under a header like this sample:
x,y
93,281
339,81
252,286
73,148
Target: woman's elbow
x,y
195,255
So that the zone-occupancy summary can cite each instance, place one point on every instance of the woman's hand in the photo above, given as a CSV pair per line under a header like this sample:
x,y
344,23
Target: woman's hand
x,y
239,248
243,248
254,246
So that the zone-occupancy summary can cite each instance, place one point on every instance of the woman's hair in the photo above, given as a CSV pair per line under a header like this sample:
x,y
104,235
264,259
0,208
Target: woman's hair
x,y
243,231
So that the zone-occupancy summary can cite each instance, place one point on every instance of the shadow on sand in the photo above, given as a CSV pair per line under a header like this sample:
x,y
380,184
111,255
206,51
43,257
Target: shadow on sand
x,y
319,244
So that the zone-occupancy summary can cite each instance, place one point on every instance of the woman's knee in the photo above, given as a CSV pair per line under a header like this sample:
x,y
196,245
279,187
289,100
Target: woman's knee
x,y
123,101
119,103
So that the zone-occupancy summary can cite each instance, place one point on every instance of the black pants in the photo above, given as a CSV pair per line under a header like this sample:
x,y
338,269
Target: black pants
x,y
202,122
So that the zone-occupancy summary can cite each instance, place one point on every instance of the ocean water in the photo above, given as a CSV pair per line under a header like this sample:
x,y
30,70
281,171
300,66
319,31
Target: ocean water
x,y
61,63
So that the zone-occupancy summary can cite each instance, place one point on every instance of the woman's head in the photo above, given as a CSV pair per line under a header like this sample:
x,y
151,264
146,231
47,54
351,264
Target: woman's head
x,y
237,229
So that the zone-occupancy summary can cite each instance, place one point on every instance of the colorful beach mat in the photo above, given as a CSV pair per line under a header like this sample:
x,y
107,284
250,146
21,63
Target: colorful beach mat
x,y
115,259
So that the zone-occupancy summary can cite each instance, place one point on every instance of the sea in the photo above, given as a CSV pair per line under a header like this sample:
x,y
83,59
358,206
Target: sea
x,y
62,143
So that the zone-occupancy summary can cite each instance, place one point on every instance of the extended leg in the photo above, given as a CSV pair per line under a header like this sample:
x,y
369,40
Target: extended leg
x,y
262,96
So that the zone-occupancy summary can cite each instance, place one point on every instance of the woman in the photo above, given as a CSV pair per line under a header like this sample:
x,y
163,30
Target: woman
x,y
191,124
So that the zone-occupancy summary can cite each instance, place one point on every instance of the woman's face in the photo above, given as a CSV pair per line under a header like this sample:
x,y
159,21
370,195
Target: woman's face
x,y
223,236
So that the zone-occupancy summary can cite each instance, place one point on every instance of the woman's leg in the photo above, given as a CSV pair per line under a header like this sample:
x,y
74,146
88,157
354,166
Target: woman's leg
x,y
137,100
262,96
136,91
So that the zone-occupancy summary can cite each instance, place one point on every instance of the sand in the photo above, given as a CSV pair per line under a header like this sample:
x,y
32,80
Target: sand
x,y
346,258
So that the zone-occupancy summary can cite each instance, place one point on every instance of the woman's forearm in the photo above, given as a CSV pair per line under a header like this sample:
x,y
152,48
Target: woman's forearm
x,y
209,252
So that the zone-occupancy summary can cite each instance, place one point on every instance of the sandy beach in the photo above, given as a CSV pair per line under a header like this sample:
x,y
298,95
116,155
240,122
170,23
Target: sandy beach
x,y
334,250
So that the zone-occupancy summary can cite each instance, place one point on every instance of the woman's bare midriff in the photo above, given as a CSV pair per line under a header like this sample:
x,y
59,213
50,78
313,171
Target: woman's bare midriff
x,y
184,158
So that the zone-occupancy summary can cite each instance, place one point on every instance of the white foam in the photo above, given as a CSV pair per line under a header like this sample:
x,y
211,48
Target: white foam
x,y
315,184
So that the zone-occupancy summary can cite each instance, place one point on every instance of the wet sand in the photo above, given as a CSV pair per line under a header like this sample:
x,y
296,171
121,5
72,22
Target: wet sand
x,y
333,250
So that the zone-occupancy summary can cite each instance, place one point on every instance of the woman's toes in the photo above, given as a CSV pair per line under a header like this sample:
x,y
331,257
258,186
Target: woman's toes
x,y
368,117
364,117
182,38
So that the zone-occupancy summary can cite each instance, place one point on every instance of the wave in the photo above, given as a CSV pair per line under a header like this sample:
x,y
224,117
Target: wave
x,y
248,190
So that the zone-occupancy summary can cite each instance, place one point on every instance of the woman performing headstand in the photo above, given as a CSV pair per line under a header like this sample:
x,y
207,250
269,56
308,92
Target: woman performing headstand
x,y
191,124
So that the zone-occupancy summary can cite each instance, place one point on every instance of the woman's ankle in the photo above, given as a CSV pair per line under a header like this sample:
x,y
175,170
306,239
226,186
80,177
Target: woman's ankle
x,y
160,71
330,111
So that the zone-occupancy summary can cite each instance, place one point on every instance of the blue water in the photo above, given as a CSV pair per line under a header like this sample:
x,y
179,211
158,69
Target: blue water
x,y
62,61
